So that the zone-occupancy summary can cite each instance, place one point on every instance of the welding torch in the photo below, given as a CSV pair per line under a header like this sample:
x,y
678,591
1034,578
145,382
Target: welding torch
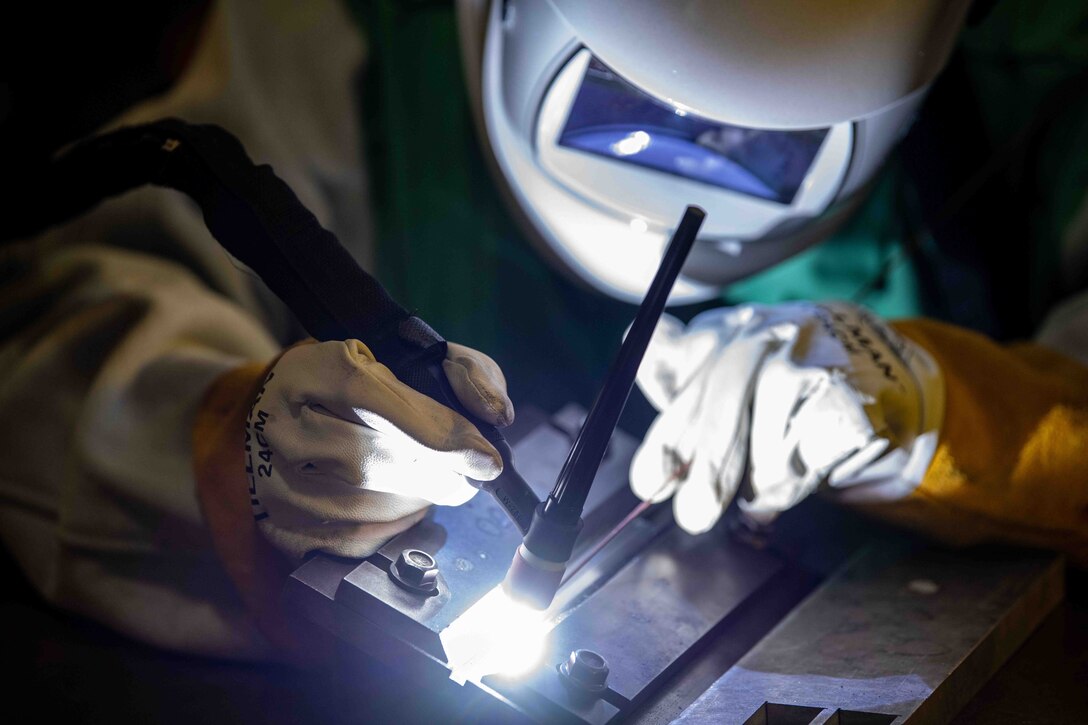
x,y
540,561
258,219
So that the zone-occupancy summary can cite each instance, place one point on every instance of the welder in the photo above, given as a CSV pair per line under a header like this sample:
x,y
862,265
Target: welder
x,y
776,118
137,357
168,462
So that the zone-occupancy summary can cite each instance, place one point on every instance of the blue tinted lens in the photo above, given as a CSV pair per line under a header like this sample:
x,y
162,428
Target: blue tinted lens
x,y
612,118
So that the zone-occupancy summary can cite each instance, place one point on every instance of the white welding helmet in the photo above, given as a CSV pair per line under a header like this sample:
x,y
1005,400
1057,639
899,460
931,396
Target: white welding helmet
x,y
607,117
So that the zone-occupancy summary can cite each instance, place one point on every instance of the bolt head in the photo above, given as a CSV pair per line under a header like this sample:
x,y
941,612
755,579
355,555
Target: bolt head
x,y
417,569
585,670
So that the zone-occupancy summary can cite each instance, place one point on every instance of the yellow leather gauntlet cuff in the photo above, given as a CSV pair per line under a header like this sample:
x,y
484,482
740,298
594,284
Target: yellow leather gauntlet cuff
x,y
1012,462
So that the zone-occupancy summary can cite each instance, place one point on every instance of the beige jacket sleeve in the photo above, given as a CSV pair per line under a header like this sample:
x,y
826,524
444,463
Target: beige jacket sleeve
x,y
113,327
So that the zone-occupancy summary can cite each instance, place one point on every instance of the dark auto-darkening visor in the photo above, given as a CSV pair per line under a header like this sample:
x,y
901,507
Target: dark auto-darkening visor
x,y
611,117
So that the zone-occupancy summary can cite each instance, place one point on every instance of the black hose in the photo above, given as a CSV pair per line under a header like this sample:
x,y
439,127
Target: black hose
x,y
256,217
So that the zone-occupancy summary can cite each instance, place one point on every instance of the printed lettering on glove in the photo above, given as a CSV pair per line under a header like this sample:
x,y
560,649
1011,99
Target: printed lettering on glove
x,y
341,455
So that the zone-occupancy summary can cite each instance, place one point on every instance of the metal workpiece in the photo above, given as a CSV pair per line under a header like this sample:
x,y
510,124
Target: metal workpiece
x,y
904,633
316,592
638,590
470,546
544,698
649,616
647,620
410,615
704,628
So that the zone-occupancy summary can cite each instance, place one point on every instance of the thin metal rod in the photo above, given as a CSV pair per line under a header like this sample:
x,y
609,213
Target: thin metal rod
x,y
679,474
606,539
572,487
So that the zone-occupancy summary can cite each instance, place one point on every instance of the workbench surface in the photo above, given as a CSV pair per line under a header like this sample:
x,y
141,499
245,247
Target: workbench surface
x,y
59,666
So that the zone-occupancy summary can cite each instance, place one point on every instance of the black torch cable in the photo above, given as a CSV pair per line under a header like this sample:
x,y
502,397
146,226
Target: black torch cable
x,y
568,498
256,217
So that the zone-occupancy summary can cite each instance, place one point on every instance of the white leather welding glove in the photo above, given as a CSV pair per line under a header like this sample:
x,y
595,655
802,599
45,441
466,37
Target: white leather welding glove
x,y
798,395
341,455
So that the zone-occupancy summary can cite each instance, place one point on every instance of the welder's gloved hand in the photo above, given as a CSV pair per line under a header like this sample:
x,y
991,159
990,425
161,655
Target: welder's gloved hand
x,y
341,455
799,396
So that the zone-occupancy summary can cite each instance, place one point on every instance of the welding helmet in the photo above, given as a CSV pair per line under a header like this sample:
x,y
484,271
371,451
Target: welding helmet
x,y
605,118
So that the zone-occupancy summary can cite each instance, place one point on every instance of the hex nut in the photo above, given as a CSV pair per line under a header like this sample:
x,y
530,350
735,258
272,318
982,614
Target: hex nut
x,y
416,571
585,671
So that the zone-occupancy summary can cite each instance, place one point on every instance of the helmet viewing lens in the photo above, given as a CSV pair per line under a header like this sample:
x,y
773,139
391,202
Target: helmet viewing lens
x,y
611,117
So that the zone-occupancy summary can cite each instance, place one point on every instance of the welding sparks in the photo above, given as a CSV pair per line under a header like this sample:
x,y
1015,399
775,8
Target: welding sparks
x,y
496,636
